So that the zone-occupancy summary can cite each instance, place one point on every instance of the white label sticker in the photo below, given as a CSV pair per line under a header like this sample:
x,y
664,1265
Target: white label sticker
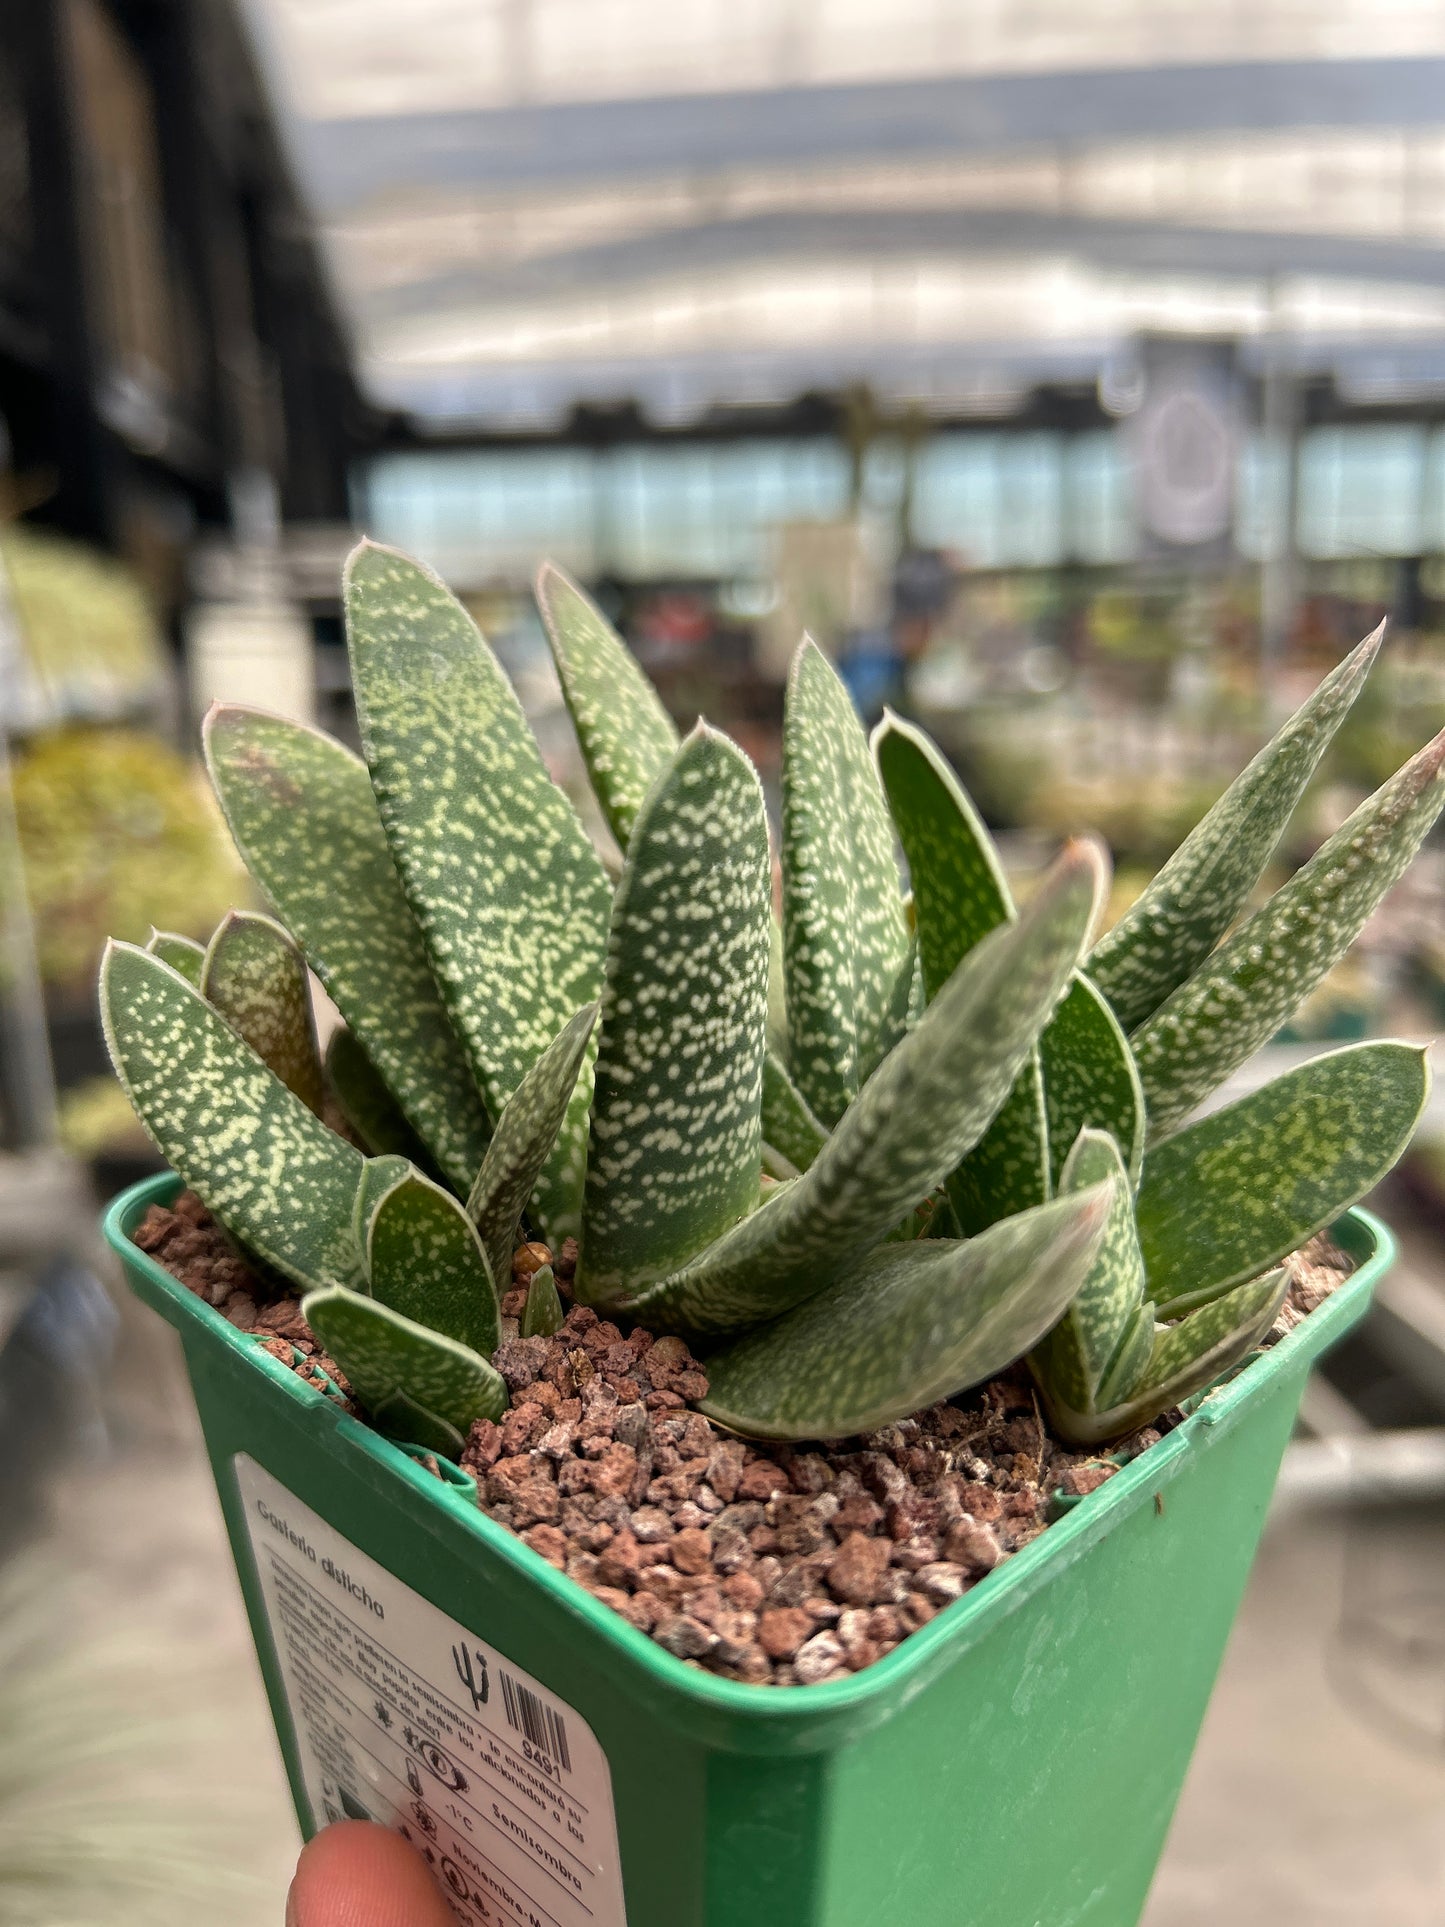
x,y
403,1716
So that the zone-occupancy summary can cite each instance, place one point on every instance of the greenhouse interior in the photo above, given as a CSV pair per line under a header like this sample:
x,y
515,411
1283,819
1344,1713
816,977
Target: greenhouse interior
x,y
1073,377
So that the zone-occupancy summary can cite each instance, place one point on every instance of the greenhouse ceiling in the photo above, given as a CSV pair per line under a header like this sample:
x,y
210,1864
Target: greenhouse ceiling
x,y
527,204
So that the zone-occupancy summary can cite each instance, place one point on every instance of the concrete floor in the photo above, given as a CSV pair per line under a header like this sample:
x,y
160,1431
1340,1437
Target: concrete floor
x,y
1300,1811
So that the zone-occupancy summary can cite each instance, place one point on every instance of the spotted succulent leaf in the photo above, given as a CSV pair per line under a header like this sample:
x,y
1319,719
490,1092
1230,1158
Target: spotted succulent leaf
x,y
378,1176
907,1325
676,1118
1193,900
788,1125
273,1174
1232,1193
1241,995
1130,1363
523,1139
419,1386
627,737
845,938
511,897
960,893
368,1107
181,953
1090,1078
1182,1359
425,1260
923,1108
542,1313
257,978
301,810
1079,1353
1008,1169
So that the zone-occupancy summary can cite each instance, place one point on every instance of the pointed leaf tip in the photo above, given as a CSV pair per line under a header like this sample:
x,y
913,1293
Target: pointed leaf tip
x,y
512,900
1240,995
907,1325
1169,931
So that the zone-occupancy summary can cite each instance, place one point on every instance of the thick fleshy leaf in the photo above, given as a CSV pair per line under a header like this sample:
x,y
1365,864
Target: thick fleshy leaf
x,y
425,1260
1229,1195
627,737
926,1104
1090,1078
1080,1351
906,1326
1241,995
511,897
523,1139
960,893
303,816
378,1176
788,1125
257,978
368,1106
1130,1362
181,953
1008,1169
542,1314
777,995
676,1120
1188,907
1181,1361
419,1386
845,938
273,1174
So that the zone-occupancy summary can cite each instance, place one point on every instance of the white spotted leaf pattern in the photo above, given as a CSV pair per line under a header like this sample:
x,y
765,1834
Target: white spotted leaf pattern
x,y
425,1260
419,1387
1082,1350
845,936
273,1174
928,1102
303,816
523,1139
1239,996
960,893
1193,900
1244,1186
256,977
181,953
626,736
676,1119
907,1325
511,897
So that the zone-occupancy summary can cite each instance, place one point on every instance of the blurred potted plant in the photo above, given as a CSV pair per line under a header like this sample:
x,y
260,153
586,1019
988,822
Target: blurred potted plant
x,y
861,1162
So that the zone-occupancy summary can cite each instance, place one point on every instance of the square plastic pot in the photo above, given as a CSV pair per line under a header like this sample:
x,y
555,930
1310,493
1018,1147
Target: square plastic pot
x,y
1014,1764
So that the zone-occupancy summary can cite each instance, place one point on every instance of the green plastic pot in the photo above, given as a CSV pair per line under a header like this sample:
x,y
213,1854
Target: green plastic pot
x,y
1014,1764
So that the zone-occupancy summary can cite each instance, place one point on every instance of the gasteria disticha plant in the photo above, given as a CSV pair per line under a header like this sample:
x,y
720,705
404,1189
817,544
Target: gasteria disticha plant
x,y
864,1156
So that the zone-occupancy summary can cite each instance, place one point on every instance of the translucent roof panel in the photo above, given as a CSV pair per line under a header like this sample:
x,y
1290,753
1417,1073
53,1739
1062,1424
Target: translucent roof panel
x,y
531,203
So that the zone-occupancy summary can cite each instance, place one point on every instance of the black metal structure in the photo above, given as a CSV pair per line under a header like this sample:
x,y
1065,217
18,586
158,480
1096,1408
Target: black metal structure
x,y
165,320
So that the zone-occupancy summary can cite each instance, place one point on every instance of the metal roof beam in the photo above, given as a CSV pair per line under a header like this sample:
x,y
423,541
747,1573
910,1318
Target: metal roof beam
x,y
708,247
347,161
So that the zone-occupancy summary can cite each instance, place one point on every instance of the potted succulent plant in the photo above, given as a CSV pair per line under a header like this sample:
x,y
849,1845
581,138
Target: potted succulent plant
x,y
863,1540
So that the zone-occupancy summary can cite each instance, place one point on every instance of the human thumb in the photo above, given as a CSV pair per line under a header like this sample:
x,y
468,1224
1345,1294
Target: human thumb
x,y
357,1874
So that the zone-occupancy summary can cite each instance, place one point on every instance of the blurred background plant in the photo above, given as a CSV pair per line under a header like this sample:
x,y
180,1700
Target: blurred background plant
x,y
118,832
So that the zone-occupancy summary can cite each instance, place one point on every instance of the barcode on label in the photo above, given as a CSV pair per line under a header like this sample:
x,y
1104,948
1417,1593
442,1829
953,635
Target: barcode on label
x,y
531,1716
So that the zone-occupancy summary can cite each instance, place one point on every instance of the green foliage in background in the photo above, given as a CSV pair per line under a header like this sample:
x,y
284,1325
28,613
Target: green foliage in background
x,y
89,636
864,1160
117,833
